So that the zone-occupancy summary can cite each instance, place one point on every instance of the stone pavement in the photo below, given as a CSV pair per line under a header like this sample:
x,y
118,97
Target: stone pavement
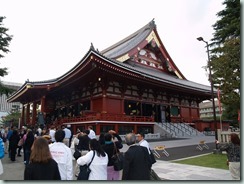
x,y
165,169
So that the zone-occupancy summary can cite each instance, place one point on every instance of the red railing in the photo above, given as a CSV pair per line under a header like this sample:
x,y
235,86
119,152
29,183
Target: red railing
x,y
104,117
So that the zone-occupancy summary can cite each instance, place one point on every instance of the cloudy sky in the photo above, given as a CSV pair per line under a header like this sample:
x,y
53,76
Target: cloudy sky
x,y
50,37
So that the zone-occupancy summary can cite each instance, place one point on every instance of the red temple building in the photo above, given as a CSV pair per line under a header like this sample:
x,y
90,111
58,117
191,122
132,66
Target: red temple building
x,y
130,86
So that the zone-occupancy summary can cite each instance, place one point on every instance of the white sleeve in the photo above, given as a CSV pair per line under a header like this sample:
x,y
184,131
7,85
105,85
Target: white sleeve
x,y
69,165
86,159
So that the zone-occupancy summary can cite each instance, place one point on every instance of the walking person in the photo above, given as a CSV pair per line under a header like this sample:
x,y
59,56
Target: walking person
x,y
233,154
83,146
111,148
13,144
2,153
67,135
28,142
99,164
136,160
21,141
62,155
92,134
52,133
142,142
42,166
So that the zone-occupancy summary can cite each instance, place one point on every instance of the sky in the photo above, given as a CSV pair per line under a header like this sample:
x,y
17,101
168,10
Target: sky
x,y
50,37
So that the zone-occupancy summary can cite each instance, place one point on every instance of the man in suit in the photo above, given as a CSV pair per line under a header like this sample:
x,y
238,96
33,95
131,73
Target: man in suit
x,y
136,160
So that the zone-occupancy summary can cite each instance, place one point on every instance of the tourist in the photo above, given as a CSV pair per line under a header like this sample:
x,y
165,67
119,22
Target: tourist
x,y
92,134
136,160
99,164
142,142
101,138
111,148
232,149
62,155
1,153
42,166
28,142
83,146
52,133
13,144
68,135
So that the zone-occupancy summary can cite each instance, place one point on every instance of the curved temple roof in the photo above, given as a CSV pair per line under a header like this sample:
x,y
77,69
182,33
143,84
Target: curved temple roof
x,y
119,55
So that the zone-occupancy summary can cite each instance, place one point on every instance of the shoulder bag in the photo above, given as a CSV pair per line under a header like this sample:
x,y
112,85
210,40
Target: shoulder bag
x,y
85,170
152,158
118,159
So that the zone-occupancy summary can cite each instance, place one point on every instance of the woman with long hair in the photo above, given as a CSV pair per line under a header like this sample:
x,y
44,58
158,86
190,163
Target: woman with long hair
x,y
111,147
99,163
232,149
42,166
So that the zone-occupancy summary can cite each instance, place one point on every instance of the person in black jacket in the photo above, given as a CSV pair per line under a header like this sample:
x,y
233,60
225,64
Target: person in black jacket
x,y
110,147
42,166
13,144
136,160
27,145
83,147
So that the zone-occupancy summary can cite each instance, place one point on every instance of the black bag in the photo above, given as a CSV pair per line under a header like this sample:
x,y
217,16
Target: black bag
x,y
152,158
77,154
118,159
85,170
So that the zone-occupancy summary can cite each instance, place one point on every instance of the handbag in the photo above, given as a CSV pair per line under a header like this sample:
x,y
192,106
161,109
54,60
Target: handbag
x,y
152,158
77,154
85,170
21,142
118,159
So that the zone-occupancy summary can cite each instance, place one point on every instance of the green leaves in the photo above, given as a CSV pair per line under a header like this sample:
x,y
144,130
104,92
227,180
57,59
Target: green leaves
x,y
4,43
225,57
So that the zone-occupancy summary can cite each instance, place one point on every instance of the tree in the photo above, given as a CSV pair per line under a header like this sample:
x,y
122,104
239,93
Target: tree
x,y
12,119
4,43
225,57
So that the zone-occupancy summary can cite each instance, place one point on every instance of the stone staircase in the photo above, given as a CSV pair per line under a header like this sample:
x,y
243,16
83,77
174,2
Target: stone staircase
x,y
176,130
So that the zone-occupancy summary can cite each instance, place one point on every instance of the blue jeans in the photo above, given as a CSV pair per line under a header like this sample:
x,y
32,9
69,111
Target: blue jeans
x,y
27,156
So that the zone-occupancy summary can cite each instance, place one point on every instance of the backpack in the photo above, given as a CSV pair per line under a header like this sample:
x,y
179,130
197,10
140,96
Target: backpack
x,y
2,153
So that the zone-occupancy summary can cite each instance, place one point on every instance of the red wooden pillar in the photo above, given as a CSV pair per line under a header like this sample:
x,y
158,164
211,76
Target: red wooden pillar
x,y
91,104
22,121
104,101
33,120
98,129
43,104
135,129
190,109
116,128
122,106
28,114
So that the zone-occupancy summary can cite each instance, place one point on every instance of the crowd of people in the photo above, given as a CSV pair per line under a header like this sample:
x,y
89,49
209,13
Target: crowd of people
x,y
49,154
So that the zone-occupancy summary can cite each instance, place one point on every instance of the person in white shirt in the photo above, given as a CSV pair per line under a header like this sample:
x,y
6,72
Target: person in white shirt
x,y
62,155
99,164
67,135
142,141
92,134
52,133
